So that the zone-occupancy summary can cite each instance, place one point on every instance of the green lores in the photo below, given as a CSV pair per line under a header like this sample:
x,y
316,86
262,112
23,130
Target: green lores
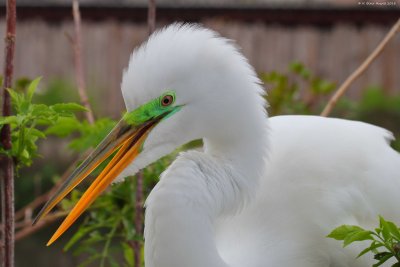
x,y
162,105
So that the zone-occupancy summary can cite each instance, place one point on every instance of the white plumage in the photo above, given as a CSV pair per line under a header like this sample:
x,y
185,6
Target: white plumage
x,y
264,192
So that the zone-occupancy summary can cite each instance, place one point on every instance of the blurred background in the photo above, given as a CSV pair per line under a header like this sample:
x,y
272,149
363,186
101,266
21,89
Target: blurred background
x,y
294,45
330,37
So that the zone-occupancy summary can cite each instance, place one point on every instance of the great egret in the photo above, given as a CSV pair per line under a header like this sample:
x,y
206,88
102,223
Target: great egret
x,y
264,192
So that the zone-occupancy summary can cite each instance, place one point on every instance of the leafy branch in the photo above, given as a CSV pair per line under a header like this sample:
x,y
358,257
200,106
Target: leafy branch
x,y
296,91
36,121
30,122
385,240
110,222
33,122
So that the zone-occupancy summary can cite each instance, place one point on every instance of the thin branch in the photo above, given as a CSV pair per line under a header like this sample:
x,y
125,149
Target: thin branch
x,y
69,38
151,16
138,218
28,229
38,201
21,214
76,44
360,70
22,225
7,164
137,244
80,80
26,224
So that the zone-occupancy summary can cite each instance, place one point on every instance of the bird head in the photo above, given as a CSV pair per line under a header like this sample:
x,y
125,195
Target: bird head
x,y
184,84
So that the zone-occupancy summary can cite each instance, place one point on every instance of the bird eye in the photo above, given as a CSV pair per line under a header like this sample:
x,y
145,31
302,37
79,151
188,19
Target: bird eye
x,y
167,100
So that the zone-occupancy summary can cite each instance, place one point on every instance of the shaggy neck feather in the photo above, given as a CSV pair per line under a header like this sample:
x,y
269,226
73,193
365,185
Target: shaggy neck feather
x,y
226,175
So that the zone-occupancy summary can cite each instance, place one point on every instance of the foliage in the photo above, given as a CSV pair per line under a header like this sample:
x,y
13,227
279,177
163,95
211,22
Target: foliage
x,y
374,107
89,135
110,223
110,218
299,91
30,120
105,235
56,91
288,89
384,240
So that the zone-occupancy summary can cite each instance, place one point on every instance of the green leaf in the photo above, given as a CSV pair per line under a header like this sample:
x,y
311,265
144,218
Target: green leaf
x,y
24,106
15,96
16,99
394,230
24,157
128,254
382,257
67,107
8,120
320,86
64,126
21,84
300,69
91,135
82,231
90,260
36,132
373,98
357,236
95,237
341,232
385,228
68,204
32,88
373,247
39,110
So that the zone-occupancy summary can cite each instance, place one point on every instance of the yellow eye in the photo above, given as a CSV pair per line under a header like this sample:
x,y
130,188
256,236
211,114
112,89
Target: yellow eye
x,y
167,100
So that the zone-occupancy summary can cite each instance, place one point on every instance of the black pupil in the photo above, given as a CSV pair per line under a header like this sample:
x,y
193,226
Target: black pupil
x,y
167,100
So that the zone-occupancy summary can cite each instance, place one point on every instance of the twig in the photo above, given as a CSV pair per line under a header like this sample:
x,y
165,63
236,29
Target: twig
x,y
136,244
7,164
80,80
26,222
49,218
69,38
360,70
20,214
151,16
29,229
75,42
28,209
138,218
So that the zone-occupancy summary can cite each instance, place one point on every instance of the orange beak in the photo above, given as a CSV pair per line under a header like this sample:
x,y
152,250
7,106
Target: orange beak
x,y
128,140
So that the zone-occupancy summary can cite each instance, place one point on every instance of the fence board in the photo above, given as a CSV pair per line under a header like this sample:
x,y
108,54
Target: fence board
x,y
43,50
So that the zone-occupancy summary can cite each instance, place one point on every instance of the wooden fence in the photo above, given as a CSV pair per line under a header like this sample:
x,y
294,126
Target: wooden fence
x,y
332,52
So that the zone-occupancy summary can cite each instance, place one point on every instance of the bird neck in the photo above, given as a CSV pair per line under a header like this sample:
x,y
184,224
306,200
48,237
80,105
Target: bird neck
x,y
179,224
183,208
194,192
243,148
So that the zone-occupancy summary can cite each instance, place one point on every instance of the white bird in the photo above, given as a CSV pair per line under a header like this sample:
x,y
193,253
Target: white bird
x,y
264,192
